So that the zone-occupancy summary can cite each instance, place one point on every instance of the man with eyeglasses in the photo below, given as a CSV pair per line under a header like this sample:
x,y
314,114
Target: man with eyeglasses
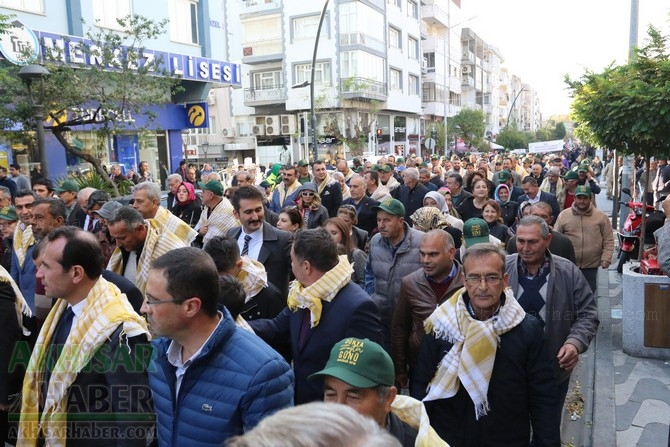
x,y
493,381
553,289
210,380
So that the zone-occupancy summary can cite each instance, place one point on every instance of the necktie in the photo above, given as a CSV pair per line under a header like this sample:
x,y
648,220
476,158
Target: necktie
x,y
89,227
245,249
304,328
57,342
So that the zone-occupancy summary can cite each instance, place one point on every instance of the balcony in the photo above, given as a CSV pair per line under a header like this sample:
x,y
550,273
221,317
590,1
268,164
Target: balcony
x,y
436,13
468,81
262,52
468,57
363,89
257,7
363,40
273,94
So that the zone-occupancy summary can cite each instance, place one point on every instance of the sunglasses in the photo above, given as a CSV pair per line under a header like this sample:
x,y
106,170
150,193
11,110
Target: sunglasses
x,y
307,194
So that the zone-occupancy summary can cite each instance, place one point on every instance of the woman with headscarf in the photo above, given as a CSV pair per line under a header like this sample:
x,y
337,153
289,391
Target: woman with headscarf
x,y
309,204
435,199
187,205
430,218
508,208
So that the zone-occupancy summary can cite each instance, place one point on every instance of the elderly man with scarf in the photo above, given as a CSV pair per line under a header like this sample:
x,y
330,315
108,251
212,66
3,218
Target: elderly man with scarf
x,y
324,307
493,380
86,382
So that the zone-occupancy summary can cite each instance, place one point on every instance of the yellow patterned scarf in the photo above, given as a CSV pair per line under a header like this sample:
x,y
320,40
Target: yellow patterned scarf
x,y
172,223
413,413
106,308
158,242
470,361
23,239
321,186
324,289
253,277
20,304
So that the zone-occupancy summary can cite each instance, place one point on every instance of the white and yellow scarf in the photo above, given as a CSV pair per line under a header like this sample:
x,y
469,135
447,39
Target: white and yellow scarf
x,y
172,223
470,361
23,239
20,305
324,289
321,186
284,192
156,244
253,277
413,413
106,308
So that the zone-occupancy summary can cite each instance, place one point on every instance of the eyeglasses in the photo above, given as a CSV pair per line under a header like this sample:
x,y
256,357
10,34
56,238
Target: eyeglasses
x,y
151,301
491,280
307,194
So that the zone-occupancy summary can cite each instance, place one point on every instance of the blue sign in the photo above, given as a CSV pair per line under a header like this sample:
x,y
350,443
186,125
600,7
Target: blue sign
x,y
70,50
197,115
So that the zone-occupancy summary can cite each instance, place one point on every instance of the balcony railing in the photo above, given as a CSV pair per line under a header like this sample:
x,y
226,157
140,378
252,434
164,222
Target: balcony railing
x,y
362,39
273,94
363,88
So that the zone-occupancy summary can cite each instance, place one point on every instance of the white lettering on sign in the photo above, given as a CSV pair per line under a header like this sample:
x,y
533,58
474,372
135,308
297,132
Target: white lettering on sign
x,y
19,44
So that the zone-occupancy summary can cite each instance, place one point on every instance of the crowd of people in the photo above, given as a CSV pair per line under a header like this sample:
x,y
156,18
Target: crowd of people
x,y
447,300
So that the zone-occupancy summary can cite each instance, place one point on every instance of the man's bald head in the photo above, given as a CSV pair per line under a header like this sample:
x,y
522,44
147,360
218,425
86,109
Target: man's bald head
x,y
83,195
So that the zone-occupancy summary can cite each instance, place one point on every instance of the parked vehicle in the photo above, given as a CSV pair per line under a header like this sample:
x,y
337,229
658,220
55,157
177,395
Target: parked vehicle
x,y
631,232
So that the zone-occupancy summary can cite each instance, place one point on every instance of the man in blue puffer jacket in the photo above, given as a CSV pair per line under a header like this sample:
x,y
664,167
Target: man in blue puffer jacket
x,y
209,379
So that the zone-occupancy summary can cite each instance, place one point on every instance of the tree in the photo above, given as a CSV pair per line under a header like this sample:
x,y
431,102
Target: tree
x,y
468,125
511,138
123,83
559,131
627,107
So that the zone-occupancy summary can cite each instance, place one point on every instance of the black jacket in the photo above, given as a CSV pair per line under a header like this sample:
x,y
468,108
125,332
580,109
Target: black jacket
x,y
522,391
367,217
331,197
412,198
402,431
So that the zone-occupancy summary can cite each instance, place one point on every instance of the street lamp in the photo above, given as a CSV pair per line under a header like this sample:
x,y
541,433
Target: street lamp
x,y
512,106
28,73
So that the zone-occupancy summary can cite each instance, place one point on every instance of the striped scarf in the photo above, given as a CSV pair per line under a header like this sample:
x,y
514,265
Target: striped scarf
x,y
178,227
253,277
156,244
284,192
413,413
321,186
20,305
106,308
470,361
324,289
219,222
23,239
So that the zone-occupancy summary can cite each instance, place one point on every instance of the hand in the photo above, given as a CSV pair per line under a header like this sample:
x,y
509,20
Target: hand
x,y
5,407
203,229
568,356
402,381
605,264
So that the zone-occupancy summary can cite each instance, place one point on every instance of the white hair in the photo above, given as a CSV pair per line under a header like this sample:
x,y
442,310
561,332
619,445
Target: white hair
x,y
152,190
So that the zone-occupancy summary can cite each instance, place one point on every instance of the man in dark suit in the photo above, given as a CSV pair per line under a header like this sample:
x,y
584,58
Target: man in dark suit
x,y
258,239
367,217
90,314
533,194
343,310
67,192
329,189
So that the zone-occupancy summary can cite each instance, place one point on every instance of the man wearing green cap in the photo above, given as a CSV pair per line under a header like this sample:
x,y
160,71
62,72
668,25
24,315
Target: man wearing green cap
x,y
566,196
591,234
303,172
586,177
217,216
8,221
394,254
67,192
359,374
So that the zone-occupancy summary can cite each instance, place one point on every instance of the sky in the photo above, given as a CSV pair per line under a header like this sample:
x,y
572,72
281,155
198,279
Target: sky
x,y
541,41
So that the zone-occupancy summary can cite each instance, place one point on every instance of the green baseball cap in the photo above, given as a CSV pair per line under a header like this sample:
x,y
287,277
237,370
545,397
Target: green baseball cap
x,y
359,363
503,176
302,163
583,190
8,213
385,168
584,166
571,175
213,185
391,206
67,185
475,231
434,157
358,170
400,160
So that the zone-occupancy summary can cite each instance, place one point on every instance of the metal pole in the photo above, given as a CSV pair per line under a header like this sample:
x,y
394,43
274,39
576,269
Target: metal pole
x,y
41,139
311,83
632,39
512,106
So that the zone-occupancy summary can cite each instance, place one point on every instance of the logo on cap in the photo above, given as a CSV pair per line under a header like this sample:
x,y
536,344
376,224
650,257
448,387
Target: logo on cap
x,y
350,351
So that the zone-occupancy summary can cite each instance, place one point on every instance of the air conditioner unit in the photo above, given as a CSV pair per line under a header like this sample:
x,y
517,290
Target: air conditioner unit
x,y
424,65
466,54
287,124
272,129
259,120
272,121
228,132
258,129
466,69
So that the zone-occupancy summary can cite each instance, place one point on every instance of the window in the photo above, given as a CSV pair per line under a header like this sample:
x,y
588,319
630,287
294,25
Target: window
x,y
305,27
395,38
412,47
397,3
106,12
24,5
303,72
395,79
183,17
268,80
413,85
362,64
412,9
430,61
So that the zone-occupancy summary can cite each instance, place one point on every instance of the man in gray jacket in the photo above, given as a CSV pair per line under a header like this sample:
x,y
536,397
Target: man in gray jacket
x,y
394,254
553,289
663,240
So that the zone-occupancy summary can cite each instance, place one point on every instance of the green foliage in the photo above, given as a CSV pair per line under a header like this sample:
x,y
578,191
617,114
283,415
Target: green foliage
x,y
94,180
468,125
511,138
559,132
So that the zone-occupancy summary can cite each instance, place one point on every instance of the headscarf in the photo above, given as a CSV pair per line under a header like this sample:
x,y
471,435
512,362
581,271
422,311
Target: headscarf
x,y
430,218
191,194
497,196
439,199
